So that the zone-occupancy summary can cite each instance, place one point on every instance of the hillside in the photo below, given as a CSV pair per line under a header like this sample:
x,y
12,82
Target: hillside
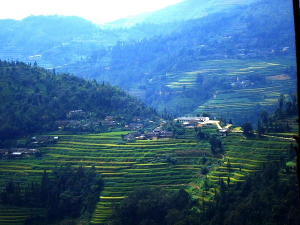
x,y
185,10
181,66
57,41
33,99
186,162
182,71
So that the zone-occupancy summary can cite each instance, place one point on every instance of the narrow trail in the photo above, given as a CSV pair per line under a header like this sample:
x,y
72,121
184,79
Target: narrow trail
x,y
265,135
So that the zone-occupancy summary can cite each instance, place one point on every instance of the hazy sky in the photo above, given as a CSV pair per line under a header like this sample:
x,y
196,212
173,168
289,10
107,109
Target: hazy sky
x,y
98,11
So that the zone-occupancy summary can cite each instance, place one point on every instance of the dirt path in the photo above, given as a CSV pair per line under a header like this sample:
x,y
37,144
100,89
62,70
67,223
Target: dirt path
x,y
265,135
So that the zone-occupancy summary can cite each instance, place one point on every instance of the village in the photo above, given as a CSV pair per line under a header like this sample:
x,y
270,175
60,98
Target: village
x,y
185,122
139,129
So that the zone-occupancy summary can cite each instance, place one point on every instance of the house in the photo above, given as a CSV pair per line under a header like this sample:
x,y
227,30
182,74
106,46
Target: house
x,y
136,126
41,139
157,130
109,118
166,134
107,123
191,122
3,151
191,119
152,135
65,123
224,132
76,113
19,152
236,84
132,136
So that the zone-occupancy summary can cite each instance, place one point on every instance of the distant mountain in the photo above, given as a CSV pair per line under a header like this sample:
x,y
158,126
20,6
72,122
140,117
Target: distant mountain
x,y
32,99
56,41
150,67
186,10
40,37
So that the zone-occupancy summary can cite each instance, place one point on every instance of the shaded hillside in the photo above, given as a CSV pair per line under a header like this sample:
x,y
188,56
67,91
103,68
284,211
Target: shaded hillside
x,y
185,10
32,99
55,41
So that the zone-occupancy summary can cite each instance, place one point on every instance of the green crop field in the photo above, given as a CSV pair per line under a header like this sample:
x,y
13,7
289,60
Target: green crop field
x,y
171,164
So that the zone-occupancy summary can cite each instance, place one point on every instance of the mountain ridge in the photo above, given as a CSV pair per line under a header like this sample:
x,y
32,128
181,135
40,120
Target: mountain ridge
x,y
185,10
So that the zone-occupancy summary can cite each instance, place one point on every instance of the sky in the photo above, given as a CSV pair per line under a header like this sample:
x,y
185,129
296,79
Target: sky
x,y
97,11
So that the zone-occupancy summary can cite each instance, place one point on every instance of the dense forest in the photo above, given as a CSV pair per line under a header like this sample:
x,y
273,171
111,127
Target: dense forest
x,y
32,99
267,197
66,192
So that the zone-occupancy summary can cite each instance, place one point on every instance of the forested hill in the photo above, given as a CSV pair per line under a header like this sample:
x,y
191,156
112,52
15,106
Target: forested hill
x,y
48,31
185,10
32,99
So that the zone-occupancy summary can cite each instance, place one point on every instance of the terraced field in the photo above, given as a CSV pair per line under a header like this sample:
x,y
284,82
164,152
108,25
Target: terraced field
x,y
242,157
172,164
15,215
228,69
233,103
245,100
123,166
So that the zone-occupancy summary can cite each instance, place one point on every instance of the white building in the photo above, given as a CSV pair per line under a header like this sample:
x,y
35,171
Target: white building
x,y
191,119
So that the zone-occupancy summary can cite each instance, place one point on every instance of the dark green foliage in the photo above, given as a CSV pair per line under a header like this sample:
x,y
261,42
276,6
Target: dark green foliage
x,y
287,107
155,206
247,129
215,145
262,199
71,193
32,99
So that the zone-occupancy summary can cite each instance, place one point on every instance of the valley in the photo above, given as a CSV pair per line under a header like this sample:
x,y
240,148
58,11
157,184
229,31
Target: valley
x,y
197,100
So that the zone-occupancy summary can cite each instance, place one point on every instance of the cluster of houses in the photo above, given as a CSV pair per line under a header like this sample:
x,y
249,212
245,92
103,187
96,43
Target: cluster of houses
x,y
240,84
18,152
156,134
74,122
44,139
76,114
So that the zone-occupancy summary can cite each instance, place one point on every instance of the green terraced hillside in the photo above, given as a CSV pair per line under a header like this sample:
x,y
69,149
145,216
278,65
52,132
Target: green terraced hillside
x,y
171,164
245,101
242,157
123,166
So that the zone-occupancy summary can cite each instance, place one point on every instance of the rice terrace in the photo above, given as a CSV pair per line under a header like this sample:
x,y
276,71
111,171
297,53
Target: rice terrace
x,y
174,112
172,164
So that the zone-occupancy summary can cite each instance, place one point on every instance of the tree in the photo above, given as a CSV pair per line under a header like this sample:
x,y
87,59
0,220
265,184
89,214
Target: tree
x,y
260,129
215,145
281,101
247,129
